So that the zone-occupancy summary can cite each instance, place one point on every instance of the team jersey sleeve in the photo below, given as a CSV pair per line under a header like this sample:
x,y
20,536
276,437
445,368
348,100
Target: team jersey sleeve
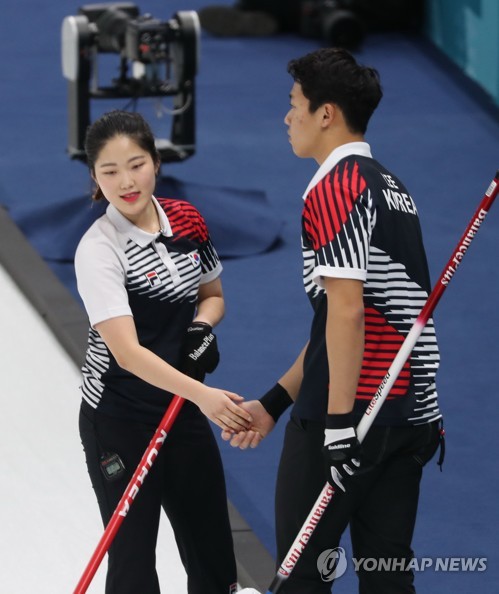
x,y
338,218
100,277
211,267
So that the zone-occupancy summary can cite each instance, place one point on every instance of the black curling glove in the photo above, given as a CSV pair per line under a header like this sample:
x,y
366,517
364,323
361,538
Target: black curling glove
x,y
199,354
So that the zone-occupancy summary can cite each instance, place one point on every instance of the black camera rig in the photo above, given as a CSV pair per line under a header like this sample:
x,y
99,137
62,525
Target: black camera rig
x,y
156,59
337,22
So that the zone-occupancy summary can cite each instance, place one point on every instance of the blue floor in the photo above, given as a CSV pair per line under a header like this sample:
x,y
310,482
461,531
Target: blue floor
x,y
431,128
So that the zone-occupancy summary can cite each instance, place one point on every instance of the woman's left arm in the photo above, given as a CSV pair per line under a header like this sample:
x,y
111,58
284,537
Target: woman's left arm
x,y
211,304
200,354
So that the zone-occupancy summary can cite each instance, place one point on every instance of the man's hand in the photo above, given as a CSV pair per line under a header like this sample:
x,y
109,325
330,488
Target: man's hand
x,y
262,424
341,449
199,354
225,409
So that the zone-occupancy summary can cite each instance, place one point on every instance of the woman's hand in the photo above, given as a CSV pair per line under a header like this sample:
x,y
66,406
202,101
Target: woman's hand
x,y
222,408
261,426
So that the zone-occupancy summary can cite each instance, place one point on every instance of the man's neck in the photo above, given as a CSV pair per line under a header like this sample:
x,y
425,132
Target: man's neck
x,y
336,141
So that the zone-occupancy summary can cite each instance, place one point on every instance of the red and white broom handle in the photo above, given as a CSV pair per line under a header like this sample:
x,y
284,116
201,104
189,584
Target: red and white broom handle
x,y
130,493
367,419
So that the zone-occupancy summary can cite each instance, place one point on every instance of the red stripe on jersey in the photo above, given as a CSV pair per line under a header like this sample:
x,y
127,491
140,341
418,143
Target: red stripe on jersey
x,y
325,229
383,342
316,214
185,220
308,222
349,189
337,196
333,209
330,202
358,182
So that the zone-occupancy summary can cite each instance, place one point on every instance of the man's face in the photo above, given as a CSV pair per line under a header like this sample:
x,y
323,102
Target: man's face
x,y
304,128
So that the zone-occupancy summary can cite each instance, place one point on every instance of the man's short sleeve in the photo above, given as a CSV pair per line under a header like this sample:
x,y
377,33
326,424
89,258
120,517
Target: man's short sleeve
x,y
337,221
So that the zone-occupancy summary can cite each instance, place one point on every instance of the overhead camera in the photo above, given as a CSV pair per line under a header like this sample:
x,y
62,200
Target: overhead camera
x,y
157,59
336,22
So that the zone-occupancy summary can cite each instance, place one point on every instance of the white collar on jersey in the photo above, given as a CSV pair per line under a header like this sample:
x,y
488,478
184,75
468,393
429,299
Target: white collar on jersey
x,y
345,150
139,236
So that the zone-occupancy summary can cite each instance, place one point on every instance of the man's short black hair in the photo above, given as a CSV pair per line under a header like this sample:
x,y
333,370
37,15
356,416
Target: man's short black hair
x,y
331,75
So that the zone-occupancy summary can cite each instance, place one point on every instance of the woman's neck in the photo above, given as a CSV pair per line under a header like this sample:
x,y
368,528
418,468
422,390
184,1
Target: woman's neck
x,y
149,221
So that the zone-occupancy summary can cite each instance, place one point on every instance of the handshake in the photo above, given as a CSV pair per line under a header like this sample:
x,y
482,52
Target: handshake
x,y
200,356
341,446
265,414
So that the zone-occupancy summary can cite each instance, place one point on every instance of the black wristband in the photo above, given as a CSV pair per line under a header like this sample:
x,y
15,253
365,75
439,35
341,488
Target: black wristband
x,y
276,401
341,421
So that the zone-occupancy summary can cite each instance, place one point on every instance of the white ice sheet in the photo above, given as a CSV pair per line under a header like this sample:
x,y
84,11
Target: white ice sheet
x,y
49,521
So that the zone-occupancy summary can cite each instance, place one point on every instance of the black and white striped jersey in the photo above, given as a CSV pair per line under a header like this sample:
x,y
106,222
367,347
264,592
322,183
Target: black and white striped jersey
x,y
124,271
360,222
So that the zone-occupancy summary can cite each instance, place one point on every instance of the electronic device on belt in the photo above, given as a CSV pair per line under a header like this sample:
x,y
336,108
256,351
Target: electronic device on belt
x,y
112,466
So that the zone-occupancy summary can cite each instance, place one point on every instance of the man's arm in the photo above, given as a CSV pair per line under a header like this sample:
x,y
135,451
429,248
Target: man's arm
x,y
263,420
344,340
345,350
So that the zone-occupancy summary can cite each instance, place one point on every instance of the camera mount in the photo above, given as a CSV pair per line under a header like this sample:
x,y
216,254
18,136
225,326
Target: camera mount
x,y
156,59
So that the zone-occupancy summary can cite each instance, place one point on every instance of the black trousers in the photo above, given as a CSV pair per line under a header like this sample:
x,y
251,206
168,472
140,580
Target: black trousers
x,y
186,480
380,504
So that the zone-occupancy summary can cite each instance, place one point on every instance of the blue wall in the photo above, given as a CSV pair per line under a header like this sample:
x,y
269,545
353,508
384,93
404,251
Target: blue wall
x,y
467,31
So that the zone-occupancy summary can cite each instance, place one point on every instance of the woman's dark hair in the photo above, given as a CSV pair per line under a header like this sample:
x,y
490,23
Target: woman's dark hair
x,y
331,75
118,123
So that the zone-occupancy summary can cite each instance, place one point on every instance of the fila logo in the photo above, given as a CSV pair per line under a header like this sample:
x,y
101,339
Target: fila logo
x,y
153,278
194,258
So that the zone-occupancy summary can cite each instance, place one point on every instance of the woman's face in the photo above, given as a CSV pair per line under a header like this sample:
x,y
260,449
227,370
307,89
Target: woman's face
x,y
126,174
